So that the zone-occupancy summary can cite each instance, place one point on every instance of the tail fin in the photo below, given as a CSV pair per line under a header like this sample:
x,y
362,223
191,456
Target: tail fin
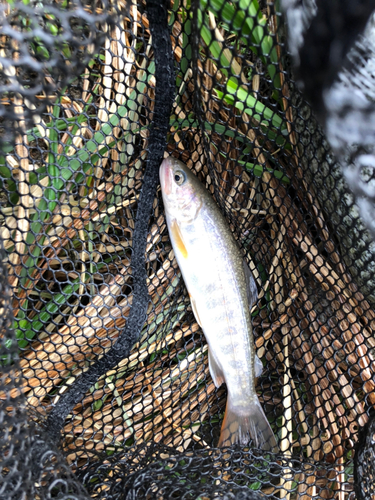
x,y
239,425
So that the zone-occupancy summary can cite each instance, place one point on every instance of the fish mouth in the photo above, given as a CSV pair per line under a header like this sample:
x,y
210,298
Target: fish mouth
x,y
165,174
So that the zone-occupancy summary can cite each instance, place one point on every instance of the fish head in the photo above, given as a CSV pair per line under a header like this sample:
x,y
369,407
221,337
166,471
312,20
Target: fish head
x,y
182,192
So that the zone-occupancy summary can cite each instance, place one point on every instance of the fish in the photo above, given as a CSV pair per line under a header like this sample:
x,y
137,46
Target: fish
x,y
222,291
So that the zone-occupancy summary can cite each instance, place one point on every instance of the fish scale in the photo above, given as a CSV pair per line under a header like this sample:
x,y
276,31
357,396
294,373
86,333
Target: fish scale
x,y
212,267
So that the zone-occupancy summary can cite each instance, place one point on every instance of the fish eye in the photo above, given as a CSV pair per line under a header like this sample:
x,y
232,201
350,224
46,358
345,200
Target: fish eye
x,y
179,177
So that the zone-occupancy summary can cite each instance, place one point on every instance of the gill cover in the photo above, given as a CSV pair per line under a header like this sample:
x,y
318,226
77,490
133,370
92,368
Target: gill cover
x,y
181,190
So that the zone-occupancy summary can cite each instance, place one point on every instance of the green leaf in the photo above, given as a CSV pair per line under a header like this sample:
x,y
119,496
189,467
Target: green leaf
x,y
258,170
249,24
28,329
224,130
245,102
5,171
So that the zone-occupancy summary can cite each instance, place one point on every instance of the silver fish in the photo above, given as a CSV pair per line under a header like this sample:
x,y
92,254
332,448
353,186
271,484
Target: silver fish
x,y
221,288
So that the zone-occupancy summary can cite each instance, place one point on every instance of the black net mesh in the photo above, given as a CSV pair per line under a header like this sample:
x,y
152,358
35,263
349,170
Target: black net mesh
x,y
106,389
364,460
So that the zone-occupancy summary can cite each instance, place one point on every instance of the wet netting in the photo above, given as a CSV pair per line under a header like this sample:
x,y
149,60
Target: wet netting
x,y
107,389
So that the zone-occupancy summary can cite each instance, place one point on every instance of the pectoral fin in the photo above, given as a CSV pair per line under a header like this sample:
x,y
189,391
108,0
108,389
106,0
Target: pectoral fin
x,y
215,370
178,240
251,287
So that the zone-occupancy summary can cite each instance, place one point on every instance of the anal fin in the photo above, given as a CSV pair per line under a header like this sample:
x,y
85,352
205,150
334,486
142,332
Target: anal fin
x,y
215,370
195,310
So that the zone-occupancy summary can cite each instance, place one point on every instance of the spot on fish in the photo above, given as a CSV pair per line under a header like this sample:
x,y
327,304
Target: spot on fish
x,y
177,236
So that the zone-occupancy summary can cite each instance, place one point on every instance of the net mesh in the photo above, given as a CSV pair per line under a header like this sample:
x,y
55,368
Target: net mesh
x,y
105,386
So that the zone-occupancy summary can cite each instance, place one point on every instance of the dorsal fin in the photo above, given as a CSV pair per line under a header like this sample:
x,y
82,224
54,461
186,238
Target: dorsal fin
x,y
258,366
252,297
251,287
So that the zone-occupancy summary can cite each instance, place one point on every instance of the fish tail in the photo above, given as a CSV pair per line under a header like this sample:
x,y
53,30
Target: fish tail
x,y
241,423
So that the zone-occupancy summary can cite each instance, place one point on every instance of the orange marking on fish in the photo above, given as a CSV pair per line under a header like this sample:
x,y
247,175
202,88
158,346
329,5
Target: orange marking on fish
x,y
176,233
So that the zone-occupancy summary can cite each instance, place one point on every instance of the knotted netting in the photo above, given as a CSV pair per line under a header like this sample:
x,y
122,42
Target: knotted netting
x,y
105,388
